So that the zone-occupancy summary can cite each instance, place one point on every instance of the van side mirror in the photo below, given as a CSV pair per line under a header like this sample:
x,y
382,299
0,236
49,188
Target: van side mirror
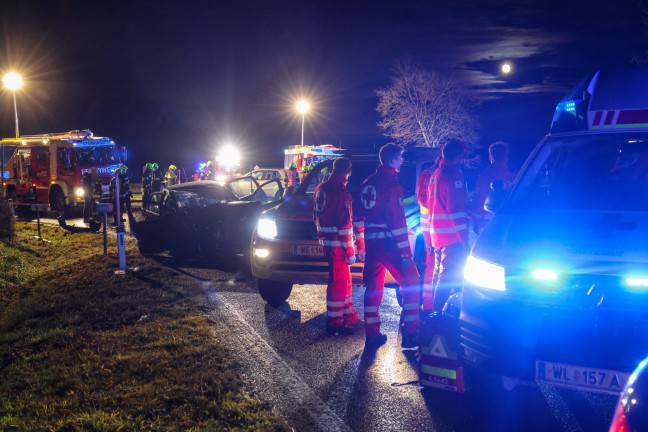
x,y
495,197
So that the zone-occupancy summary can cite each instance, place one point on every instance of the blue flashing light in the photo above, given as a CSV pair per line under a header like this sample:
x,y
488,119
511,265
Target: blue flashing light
x,y
637,282
567,106
544,275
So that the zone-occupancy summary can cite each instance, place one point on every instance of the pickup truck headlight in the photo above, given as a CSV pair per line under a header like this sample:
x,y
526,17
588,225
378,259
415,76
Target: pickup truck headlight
x,y
79,191
267,228
484,274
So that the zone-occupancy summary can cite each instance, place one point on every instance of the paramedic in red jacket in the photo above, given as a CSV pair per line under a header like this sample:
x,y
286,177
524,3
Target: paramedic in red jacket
x,y
333,218
422,197
388,248
448,222
498,155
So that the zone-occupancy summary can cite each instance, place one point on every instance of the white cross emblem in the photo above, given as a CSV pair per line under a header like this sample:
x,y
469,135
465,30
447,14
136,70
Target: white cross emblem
x,y
368,196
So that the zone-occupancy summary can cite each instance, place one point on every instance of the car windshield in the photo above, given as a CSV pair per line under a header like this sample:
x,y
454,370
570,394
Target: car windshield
x,y
205,195
605,172
96,156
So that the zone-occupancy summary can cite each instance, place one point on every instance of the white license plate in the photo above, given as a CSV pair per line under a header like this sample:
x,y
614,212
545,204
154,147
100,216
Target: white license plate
x,y
579,377
309,250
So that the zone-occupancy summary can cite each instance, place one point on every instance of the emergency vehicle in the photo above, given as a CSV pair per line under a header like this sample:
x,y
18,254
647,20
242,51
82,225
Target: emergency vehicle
x,y
303,156
47,168
285,249
556,285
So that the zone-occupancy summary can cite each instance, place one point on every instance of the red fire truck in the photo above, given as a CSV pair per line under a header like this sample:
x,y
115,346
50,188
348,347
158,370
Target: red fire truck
x,y
47,168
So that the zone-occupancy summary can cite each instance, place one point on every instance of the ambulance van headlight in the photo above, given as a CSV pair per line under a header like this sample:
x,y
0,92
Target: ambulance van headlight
x,y
267,228
484,274
79,191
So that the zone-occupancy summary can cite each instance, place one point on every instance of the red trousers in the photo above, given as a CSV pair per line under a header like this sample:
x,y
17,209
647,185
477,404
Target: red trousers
x,y
378,260
339,299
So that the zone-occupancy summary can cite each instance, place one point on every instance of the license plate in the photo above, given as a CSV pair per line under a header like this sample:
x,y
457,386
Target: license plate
x,y
579,377
309,250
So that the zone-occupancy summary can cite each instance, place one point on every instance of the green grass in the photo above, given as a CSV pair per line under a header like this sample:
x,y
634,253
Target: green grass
x,y
83,349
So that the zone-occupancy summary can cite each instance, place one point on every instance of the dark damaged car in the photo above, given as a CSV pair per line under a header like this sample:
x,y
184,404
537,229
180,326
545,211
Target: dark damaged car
x,y
200,220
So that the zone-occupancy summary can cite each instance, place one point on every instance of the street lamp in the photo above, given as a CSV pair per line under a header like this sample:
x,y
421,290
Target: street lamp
x,y
303,107
12,81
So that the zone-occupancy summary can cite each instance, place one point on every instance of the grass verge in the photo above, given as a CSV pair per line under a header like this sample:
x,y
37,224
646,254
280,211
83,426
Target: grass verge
x,y
84,349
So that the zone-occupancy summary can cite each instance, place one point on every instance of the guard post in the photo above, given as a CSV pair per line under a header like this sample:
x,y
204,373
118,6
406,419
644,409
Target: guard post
x,y
121,246
104,209
38,208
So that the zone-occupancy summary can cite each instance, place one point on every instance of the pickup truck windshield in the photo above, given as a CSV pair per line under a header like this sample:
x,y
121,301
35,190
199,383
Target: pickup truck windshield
x,y
604,172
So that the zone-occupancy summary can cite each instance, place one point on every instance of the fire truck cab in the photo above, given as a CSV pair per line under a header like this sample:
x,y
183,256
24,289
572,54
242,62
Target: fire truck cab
x,y
47,168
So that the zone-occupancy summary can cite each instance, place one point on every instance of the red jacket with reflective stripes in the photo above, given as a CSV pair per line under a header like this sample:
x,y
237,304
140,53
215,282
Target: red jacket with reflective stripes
x,y
381,209
447,206
494,172
333,215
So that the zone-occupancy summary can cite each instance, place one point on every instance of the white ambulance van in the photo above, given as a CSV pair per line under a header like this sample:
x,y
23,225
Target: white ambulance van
x,y
556,286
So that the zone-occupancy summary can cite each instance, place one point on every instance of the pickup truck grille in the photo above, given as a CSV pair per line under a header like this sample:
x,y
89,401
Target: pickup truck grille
x,y
296,230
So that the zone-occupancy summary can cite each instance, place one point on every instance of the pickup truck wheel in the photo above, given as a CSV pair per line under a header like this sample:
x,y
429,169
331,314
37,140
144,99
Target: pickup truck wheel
x,y
274,293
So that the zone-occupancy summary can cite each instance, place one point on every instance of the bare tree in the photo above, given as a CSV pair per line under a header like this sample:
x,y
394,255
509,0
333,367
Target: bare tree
x,y
424,108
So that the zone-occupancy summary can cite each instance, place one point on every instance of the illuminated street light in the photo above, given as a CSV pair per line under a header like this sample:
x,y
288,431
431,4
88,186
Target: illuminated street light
x,y
12,81
303,107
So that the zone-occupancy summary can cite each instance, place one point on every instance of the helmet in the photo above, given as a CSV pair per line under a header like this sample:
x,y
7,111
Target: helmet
x,y
172,167
293,165
155,166
149,165
210,163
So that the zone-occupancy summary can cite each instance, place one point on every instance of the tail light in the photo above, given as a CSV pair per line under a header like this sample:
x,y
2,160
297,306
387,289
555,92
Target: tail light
x,y
620,421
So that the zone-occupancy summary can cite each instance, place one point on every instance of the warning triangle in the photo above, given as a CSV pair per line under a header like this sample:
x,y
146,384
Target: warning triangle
x,y
438,347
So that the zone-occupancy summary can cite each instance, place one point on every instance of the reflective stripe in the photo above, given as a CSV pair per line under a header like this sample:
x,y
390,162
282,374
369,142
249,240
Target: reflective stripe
x,y
448,216
375,235
335,314
327,229
360,235
335,303
402,244
424,210
371,309
345,231
374,225
450,230
347,244
372,320
331,242
414,317
411,306
358,224
399,231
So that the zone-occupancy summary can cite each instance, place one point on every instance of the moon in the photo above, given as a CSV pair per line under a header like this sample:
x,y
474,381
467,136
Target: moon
x,y
506,68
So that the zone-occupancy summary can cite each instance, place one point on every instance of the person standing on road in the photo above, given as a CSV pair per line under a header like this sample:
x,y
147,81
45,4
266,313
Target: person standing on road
x,y
125,194
388,248
448,223
292,178
498,155
156,178
171,176
333,217
422,197
147,180
88,195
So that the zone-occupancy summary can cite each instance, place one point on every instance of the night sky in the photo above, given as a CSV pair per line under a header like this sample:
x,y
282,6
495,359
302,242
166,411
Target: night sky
x,y
174,80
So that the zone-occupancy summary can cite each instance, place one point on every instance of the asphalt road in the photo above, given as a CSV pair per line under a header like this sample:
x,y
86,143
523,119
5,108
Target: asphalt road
x,y
327,383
